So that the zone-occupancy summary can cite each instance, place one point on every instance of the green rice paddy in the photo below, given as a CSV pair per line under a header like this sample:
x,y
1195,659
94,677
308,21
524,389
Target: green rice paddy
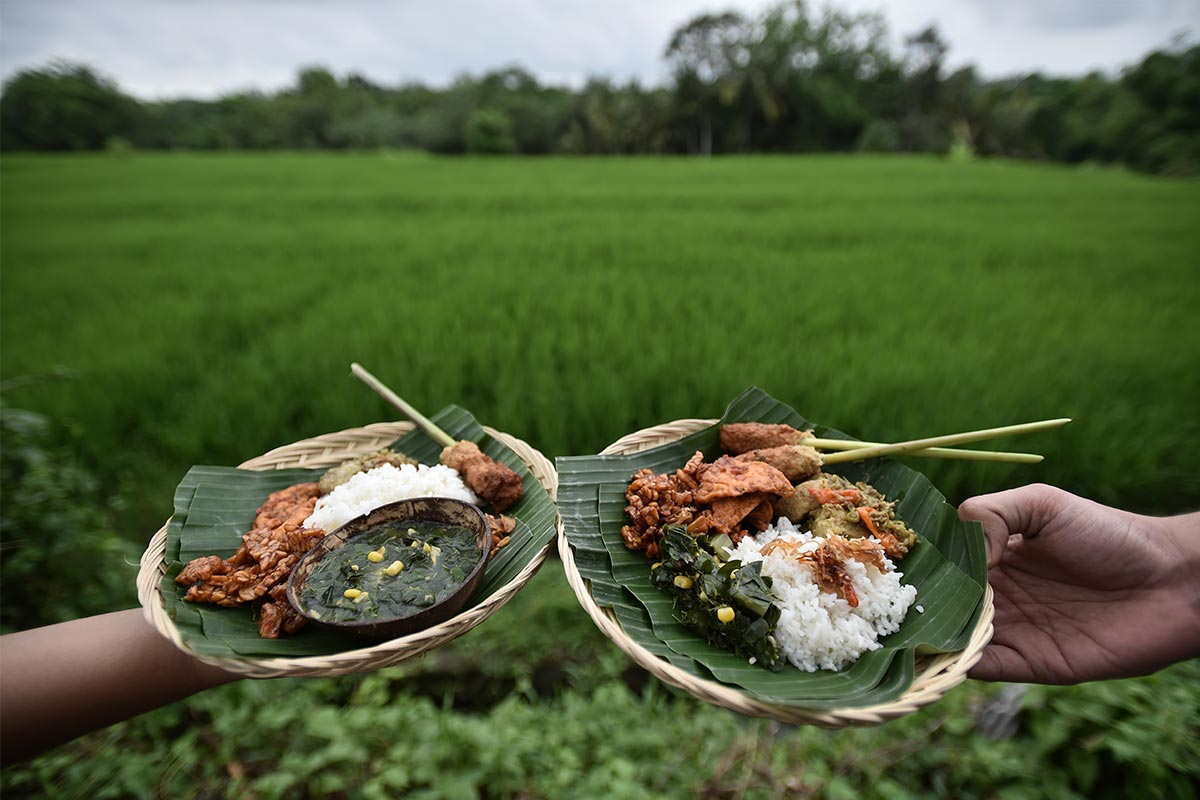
x,y
208,306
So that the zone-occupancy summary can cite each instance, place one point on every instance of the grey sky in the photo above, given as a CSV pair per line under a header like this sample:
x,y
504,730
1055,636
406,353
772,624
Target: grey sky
x,y
201,48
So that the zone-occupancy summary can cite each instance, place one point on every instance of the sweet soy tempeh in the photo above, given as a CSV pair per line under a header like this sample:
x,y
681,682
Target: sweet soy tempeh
x,y
904,448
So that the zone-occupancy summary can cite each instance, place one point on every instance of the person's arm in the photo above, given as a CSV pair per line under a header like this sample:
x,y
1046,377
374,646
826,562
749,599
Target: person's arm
x,y
1085,592
64,680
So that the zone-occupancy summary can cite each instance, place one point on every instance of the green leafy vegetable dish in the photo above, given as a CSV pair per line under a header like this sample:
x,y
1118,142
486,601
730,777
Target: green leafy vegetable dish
x,y
706,605
215,506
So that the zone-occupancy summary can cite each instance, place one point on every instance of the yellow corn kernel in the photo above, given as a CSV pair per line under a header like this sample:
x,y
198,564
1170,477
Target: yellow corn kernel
x,y
394,568
725,614
683,581
374,556
426,547
361,597
655,565
352,594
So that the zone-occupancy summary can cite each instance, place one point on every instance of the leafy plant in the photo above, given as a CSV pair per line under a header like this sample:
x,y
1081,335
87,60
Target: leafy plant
x,y
61,556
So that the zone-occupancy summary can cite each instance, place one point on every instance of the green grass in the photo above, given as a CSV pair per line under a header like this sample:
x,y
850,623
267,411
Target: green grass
x,y
209,307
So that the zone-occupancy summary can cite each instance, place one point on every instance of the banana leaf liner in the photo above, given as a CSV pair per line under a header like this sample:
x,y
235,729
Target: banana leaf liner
x,y
214,506
930,652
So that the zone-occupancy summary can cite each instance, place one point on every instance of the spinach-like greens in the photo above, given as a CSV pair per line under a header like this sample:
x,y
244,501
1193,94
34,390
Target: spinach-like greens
x,y
728,603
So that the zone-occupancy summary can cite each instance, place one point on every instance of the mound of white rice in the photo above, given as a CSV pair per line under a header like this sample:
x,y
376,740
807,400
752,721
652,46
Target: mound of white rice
x,y
369,490
819,630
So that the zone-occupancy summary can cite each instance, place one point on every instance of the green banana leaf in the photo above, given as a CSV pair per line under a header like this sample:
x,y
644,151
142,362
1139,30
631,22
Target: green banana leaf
x,y
948,566
214,506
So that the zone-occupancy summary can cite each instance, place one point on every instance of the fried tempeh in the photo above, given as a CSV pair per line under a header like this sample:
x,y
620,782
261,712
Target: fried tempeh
x,y
262,563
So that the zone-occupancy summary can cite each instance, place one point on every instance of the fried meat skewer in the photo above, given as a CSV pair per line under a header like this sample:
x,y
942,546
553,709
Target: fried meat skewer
x,y
489,479
742,437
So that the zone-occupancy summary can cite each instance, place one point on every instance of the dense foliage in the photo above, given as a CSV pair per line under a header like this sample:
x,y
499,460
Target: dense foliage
x,y
56,531
551,710
209,306
788,80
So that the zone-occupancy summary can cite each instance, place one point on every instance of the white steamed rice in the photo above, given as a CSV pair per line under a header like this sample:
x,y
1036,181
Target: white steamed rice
x,y
385,484
819,630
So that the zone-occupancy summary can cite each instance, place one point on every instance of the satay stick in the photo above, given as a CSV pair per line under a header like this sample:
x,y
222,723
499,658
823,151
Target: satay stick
x,y
879,450
929,452
423,422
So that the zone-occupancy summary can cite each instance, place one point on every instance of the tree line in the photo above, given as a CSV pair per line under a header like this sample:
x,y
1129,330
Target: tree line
x,y
789,80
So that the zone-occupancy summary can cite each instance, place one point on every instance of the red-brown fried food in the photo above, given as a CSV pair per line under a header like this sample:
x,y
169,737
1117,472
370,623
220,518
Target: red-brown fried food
x,y
725,515
657,500
298,500
201,569
727,477
277,615
760,518
502,528
494,482
795,461
742,437
261,565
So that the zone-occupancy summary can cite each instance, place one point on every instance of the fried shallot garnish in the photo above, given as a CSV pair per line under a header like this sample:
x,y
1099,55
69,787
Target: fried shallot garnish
x,y
828,558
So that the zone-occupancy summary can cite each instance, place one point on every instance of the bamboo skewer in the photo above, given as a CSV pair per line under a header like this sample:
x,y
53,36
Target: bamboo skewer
x,y
423,422
875,451
846,450
929,452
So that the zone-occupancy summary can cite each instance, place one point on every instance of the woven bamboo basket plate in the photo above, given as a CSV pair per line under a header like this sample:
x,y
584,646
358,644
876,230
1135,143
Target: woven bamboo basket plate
x,y
326,451
935,675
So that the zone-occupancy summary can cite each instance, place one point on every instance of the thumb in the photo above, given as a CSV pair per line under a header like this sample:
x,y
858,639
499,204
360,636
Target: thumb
x,y
1023,511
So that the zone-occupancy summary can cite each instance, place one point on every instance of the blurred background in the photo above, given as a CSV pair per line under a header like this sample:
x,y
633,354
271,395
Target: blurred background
x,y
579,221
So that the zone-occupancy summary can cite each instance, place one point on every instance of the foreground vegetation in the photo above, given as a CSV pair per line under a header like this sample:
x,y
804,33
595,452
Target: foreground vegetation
x,y
791,79
160,311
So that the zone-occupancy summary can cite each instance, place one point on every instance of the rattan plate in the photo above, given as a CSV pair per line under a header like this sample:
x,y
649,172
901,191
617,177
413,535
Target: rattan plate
x,y
326,451
935,675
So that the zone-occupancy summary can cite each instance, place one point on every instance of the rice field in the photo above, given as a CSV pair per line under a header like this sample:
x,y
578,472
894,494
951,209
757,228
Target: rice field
x,y
179,309
207,306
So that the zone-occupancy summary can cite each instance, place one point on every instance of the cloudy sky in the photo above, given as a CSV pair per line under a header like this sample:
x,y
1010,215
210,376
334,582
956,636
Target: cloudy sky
x,y
202,48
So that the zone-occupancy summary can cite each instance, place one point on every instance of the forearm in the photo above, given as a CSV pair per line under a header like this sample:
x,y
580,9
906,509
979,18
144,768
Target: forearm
x,y
64,680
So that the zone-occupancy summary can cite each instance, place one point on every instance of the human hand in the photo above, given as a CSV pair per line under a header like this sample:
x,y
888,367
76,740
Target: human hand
x,y
1085,592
